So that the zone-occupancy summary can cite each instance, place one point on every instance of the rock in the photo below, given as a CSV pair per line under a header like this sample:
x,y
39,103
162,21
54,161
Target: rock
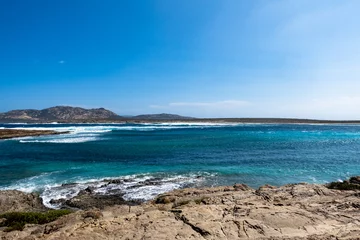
x,y
115,181
89,201
241,187
164,199
86,191
16,201
94,214
60,201
294,211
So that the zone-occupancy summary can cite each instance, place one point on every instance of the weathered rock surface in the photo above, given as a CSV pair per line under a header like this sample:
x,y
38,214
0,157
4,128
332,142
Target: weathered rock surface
x,y
295,211
86,201
16,201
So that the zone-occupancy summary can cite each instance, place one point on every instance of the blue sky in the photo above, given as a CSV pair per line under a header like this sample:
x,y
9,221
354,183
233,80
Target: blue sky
x,y
202,58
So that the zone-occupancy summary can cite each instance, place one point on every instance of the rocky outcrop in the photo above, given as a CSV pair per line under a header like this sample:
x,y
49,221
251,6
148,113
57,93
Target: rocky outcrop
x,y
16,201
294,211
58,113
14,133
87,199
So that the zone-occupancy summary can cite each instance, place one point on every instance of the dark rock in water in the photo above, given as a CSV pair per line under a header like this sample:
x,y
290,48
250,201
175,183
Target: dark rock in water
x,y
60,201
116,181
127,180
89,201
68,184
16,201
88,190
154,181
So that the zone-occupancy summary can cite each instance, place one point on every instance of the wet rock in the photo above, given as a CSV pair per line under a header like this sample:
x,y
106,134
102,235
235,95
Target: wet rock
x,y
58,202
86,191
88,201
69,184
153,181
115,181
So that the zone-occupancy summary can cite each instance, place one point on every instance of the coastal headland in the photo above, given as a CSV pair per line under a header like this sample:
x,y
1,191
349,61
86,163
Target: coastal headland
x,y
14,133
68,114
293,211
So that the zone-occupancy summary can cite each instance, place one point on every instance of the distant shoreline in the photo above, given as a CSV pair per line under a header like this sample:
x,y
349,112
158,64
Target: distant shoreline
x,y
15,133
192,120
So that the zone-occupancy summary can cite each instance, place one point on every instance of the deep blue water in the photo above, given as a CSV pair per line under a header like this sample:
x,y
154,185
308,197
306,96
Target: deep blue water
x,y
177,155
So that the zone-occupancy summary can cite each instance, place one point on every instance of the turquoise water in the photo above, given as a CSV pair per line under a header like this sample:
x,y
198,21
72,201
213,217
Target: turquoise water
x,y
175,155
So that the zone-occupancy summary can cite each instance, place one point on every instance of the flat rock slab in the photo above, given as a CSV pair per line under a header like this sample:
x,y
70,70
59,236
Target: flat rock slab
x,y
294,211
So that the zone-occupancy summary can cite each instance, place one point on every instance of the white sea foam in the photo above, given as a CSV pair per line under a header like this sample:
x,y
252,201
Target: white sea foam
x,y
133,187
107,128
63,140
85,133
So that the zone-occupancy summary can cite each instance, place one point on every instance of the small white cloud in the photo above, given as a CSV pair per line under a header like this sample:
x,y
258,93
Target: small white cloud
x,y
61,61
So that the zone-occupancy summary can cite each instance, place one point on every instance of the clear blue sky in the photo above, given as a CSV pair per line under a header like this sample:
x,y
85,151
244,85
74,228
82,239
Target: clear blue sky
x,y
273,58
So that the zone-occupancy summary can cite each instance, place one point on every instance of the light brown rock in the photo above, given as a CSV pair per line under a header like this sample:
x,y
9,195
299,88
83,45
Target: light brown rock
x,y
295,211
16,201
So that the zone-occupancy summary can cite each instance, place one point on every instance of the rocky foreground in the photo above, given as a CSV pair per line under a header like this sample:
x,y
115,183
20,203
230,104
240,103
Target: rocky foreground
x,y
294,211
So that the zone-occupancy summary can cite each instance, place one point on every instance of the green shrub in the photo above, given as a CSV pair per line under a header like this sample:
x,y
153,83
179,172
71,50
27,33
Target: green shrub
x,y
343,186
17,220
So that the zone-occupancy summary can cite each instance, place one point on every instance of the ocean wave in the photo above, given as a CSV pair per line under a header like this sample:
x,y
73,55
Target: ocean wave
x,y
108,128
63,140
85,133
133,187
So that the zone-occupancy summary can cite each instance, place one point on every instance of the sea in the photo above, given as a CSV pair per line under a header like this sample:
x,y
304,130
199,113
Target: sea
x,y
148,159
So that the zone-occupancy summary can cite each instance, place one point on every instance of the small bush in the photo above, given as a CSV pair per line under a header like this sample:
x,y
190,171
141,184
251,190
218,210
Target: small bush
x,y
17,220
343,186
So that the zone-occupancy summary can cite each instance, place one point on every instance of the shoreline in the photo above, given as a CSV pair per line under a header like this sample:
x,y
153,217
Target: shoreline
x,y
292,211
191,120
16,133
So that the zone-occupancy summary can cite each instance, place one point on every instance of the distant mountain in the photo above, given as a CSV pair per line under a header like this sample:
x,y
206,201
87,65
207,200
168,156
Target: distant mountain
x,y
161,116
58,113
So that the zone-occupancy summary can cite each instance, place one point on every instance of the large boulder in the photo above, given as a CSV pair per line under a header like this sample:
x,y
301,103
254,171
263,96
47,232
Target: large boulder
x,y
16,201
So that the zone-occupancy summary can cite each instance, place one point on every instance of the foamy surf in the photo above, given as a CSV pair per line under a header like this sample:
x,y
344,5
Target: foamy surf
x,y
94,132
132,187
63,140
